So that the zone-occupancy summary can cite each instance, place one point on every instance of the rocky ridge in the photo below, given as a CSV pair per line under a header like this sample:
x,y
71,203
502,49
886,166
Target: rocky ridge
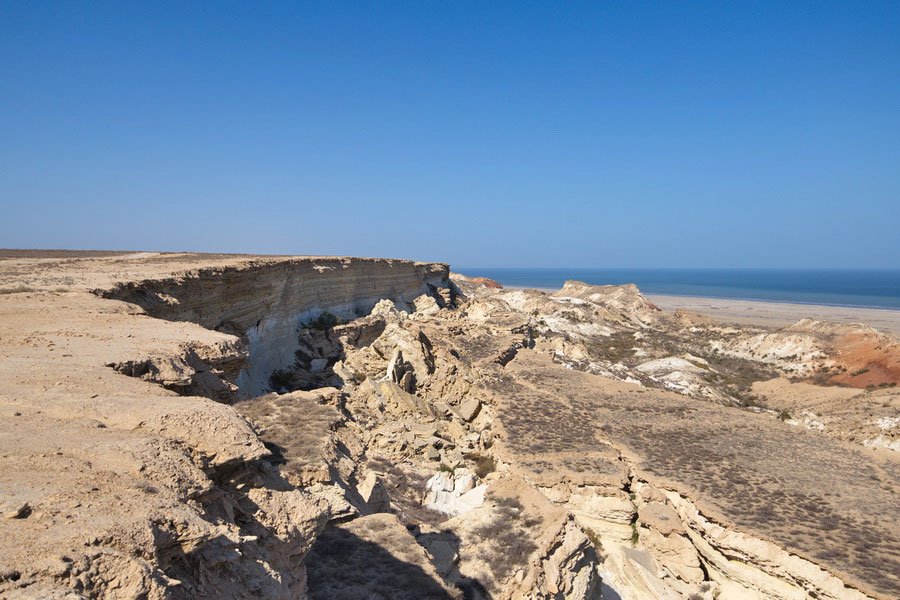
x,y
470,441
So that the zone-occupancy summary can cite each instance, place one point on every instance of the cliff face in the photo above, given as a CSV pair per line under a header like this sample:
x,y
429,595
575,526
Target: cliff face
x,y
512,444
265,303
115,486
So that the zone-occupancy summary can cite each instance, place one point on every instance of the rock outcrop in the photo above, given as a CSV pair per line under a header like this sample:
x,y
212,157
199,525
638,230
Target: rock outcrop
x,y
188,426
118,480
265,302
471,284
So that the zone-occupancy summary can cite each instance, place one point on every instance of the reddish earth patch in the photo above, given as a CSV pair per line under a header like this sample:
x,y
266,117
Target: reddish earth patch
x,y
869,361
487,282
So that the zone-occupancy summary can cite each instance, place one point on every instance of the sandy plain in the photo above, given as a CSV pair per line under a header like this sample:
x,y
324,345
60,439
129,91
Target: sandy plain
x,y
779,314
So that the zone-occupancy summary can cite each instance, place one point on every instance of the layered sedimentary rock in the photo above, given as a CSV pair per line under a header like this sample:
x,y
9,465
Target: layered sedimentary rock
x,y
116,482
222,426
265,302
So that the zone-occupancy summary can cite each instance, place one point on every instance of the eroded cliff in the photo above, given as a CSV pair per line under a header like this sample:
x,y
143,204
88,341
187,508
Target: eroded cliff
x,y
377,432
265,302
116,486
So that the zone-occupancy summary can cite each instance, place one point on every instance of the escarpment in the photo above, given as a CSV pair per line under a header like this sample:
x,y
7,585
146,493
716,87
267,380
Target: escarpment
x,y
265,302
289,427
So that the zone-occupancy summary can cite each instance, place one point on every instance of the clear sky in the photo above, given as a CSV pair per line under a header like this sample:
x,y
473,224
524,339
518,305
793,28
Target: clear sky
x,y
598,134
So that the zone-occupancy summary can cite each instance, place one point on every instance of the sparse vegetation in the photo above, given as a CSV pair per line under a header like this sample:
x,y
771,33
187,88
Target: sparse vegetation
x,y
361,560
483,464
280,379
324,321
635,534
784,415
19,289
753,401
593,537
575,316
730,374
295,429
509,536
615,348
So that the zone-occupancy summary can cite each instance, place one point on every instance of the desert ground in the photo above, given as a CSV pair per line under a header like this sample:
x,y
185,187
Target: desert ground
x,y
226,426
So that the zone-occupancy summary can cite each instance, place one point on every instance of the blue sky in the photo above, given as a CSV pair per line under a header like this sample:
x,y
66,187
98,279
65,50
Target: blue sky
x,y
760,134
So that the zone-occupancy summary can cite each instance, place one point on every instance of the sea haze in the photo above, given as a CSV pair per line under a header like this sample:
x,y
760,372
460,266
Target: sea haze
x,y
831,287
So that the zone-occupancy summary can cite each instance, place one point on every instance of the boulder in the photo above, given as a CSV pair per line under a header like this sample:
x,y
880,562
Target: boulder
x,y
454,494
468,410
426,305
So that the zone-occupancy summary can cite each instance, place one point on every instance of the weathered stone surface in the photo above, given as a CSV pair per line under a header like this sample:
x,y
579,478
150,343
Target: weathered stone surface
x,y
559,405
471,284
568,568
453,494
469,409
426,305
660,517
374,494
122,468
442,551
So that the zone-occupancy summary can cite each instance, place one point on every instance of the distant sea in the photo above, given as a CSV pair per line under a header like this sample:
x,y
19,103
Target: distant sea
x,y
830,287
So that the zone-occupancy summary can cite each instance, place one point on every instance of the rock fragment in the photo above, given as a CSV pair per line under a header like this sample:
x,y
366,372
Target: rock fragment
x,y
468,410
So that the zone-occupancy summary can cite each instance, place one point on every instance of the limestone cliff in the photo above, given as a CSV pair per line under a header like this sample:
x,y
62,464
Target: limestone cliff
x,y
266,302
377,433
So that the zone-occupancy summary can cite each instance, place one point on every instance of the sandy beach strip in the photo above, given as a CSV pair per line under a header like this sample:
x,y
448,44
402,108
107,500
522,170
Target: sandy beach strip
x,y
779,314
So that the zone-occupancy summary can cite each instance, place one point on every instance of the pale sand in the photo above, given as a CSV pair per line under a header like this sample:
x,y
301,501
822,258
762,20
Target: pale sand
x,y
779,314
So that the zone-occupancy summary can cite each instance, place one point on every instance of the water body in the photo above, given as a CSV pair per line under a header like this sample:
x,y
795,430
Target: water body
x,y
864,288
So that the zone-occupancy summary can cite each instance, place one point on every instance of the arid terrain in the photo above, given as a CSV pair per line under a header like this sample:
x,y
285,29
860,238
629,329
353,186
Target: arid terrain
x,y
779,314
230,426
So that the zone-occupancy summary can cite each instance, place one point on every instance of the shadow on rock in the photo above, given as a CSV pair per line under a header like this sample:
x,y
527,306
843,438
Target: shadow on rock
x,y
344,566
